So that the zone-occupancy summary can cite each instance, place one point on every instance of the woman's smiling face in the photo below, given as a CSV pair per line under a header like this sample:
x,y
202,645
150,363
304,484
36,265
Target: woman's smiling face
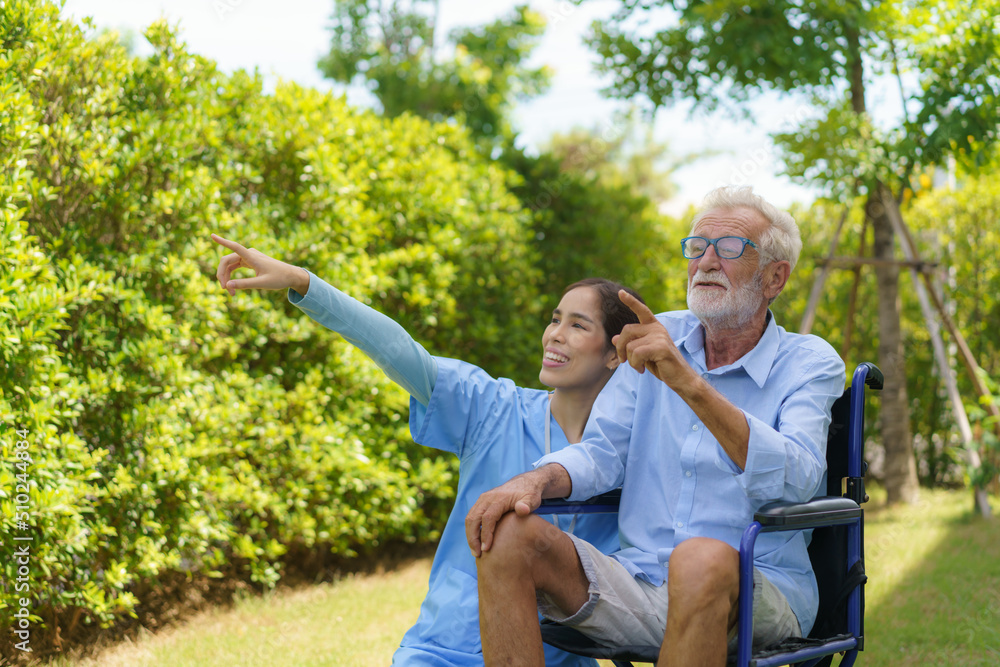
x,y
575,352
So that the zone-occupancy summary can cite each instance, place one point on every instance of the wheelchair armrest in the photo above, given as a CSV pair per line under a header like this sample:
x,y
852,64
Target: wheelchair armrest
x,y
606,503
824,511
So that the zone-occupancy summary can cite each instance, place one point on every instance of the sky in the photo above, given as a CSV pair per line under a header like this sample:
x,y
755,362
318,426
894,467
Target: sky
x,y
285,40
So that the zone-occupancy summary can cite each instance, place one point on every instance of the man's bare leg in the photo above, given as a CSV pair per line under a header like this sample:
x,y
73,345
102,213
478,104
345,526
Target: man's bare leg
x,y
528,554
704,586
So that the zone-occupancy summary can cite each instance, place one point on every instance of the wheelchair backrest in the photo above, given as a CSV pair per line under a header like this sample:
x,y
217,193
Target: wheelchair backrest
x,y
828,548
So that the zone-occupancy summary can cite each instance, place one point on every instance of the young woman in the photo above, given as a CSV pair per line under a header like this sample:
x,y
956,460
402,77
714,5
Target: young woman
x,y
496,428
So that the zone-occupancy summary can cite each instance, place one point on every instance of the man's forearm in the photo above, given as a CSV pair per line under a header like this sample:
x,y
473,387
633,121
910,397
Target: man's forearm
x,y
723,419
558,483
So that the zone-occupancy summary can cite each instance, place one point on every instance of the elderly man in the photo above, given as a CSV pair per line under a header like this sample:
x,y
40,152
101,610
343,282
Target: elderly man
x,y
732,414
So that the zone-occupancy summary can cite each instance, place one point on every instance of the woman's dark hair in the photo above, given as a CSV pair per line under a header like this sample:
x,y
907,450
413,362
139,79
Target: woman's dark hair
x,y
614,313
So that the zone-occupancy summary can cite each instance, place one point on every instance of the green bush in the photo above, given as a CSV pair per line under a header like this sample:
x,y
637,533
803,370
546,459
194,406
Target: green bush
x,y
584,226
172,428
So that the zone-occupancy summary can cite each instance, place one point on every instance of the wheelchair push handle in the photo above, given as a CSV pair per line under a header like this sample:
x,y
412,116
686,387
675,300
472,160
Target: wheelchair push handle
x,y
870,374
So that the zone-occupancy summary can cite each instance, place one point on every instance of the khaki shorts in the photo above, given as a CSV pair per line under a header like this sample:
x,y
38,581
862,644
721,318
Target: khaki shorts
x,y
625,611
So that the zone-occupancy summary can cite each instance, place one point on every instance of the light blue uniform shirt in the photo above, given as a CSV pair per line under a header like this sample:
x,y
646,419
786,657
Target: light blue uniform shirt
x,y
677,480
497,430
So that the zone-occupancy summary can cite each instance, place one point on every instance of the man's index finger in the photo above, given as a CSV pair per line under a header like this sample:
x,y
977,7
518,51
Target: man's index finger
x,y
646,316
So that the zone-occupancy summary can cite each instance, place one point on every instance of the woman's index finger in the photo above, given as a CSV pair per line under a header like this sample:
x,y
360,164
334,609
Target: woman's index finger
x,y
232,245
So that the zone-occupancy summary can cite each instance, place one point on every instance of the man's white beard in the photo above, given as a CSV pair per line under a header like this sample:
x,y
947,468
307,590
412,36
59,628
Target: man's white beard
x,y
731,309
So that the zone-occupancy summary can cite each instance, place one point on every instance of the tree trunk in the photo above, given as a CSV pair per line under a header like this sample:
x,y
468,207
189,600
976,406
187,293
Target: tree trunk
x,y
980,497
900,467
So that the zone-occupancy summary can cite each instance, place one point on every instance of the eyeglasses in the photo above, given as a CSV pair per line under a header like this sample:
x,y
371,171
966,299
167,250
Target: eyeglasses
x,y
727,247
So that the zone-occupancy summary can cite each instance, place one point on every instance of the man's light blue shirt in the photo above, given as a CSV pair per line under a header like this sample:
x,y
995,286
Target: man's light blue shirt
x,y
677,480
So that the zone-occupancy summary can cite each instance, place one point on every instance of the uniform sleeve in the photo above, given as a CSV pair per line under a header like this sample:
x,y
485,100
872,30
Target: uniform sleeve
x,y
597,463
787,460
393,350
464,410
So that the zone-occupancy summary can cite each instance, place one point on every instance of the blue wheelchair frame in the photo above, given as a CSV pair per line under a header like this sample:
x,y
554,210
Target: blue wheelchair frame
x,y
842,629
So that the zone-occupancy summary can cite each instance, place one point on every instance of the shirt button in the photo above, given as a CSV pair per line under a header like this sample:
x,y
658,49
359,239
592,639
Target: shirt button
x,y
680,524
687,474
694,428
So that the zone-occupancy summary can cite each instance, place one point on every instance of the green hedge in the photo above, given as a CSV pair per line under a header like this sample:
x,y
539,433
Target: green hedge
x,y
584,227
172,428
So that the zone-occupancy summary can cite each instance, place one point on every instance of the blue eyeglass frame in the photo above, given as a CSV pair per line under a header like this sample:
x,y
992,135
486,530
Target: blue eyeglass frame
x,y
714,243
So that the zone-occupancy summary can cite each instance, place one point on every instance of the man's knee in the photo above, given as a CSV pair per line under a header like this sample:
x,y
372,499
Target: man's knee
x,y
703,568
521,543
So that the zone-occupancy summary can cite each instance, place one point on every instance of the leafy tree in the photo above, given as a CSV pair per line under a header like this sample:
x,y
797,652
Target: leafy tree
x,y
944,56
392,47
956,228
595,195
176,433
584,225
623,153
961,230
588,218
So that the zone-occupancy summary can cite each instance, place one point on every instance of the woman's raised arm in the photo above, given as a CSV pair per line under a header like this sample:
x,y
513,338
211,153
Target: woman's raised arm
x,y
403,359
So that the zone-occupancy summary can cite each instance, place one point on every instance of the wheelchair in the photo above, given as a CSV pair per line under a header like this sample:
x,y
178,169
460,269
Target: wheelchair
x,y
836,552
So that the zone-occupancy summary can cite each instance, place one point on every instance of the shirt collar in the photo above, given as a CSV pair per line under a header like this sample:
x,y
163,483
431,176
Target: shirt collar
x,y
757,362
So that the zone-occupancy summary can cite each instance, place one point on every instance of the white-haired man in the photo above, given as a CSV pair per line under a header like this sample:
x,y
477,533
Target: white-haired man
x,y
732,414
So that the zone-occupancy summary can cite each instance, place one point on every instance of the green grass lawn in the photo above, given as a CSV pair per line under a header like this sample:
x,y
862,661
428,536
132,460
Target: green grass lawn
x,y
934,590
933,599
355,622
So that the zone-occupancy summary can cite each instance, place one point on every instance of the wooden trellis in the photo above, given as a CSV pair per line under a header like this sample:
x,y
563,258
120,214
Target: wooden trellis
x,y
934,313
